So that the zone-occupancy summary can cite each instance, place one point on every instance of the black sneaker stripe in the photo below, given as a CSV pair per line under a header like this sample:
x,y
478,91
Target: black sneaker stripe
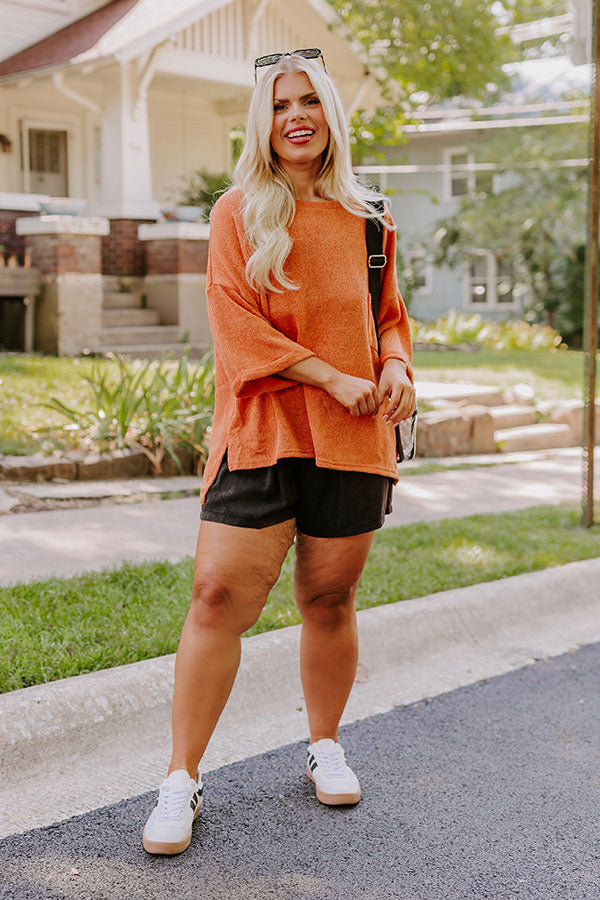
x,y
313,766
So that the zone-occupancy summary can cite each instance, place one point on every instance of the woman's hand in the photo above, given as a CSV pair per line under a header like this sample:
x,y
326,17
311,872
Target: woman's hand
x,y
397,398
358,395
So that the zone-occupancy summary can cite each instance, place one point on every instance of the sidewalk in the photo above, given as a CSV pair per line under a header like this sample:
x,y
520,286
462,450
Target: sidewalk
x,y
67,541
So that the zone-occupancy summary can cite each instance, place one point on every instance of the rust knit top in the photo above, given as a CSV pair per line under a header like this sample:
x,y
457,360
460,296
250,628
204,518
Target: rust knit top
x,y
260,417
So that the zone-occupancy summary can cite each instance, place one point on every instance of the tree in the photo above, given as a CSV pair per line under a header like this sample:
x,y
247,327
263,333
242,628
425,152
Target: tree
x,y
536,220
421,52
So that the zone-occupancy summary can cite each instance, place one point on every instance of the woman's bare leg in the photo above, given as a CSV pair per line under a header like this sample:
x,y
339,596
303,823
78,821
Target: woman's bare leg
x,y
234,570
326,578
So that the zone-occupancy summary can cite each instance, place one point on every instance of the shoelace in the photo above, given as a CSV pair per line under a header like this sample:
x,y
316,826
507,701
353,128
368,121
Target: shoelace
x,y
171,802
332,761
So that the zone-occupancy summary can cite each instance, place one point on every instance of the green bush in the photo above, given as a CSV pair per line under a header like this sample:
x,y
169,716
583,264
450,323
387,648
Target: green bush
x,y
156,407
203,188
463,328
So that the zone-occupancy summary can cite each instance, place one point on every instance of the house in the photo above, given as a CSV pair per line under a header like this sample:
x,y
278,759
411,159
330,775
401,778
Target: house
x,y
111,103
437,166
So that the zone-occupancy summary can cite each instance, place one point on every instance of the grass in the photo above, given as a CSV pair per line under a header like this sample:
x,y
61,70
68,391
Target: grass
x,y
551,373
25,383
61,627
28,381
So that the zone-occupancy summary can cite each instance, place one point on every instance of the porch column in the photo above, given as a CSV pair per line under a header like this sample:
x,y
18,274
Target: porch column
x,y
126,170
175,282
67,252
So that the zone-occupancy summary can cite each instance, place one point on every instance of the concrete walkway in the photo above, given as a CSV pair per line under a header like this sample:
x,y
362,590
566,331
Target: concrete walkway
x,y
65,542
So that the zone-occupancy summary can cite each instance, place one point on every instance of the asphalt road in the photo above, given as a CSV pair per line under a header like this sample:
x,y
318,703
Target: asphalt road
x,y
490,791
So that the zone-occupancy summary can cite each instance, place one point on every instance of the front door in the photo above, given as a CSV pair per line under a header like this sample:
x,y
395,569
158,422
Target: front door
x,y
48,162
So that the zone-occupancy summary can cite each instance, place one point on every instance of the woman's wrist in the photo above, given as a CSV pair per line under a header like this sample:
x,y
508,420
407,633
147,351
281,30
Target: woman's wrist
x,y
312,371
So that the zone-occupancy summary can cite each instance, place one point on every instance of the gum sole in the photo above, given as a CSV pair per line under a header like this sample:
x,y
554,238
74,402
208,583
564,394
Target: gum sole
x,y
156,847
334,799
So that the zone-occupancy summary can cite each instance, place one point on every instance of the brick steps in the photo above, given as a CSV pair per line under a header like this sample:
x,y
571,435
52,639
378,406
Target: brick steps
x,y
122,300
125,318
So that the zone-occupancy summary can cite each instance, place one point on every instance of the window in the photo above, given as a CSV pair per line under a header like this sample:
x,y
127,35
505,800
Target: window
x,y
490,281
420,271
457,180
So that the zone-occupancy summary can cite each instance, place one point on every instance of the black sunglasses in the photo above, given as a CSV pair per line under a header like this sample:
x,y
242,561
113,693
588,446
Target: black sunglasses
x,y
272,58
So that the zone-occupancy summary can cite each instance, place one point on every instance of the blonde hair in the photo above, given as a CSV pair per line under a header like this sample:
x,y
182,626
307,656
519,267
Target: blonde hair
x,y
270,202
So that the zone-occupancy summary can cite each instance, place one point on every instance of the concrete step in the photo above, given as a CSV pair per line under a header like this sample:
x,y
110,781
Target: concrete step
x,y
117,283
150,351
122,299
534,437
123,318
140,334
512,416
459,392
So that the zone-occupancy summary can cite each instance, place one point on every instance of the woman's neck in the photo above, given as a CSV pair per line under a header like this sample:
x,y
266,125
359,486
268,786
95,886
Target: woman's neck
x,y
303,179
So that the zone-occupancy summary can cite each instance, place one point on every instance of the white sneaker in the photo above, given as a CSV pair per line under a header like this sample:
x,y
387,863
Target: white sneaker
x,y
335,781
169,828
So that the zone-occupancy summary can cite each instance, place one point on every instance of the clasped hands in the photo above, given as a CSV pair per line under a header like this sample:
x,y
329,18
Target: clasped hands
x,y
394,396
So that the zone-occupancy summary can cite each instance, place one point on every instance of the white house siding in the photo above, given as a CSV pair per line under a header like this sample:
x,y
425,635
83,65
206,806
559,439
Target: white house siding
x,y
185,134
419,204
41,105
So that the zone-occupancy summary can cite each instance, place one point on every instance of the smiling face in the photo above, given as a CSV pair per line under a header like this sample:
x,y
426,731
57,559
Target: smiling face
x,y
300,133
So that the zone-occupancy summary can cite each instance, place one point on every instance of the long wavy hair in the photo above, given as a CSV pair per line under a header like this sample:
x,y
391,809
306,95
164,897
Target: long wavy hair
x,y
270,202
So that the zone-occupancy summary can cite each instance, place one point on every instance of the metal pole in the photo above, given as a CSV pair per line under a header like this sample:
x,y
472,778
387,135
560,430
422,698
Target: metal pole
x,y
591,298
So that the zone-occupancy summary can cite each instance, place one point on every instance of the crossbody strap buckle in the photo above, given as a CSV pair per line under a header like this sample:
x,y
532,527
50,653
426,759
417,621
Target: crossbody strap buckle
x,y
377,261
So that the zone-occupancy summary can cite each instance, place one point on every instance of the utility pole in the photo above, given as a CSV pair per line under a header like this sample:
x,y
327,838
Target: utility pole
x,y
591,284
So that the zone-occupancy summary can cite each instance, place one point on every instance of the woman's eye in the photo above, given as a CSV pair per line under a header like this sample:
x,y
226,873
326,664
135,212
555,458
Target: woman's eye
x,y
278,107
313,101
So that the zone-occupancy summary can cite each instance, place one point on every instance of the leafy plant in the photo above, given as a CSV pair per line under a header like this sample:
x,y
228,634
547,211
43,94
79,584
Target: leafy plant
x,y
203,188
460,328
156,407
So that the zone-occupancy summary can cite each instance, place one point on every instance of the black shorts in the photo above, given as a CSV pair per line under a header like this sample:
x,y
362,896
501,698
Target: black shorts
x,y
324,502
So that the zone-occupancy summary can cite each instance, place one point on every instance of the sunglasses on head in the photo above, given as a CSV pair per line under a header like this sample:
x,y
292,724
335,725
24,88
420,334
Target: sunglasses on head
x,y
272,58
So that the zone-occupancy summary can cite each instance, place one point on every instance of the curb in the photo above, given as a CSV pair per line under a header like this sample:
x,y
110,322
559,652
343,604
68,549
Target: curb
x,y
490,628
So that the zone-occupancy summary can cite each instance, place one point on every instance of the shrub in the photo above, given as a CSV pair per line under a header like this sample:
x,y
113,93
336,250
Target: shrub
x,y
460,328
156,407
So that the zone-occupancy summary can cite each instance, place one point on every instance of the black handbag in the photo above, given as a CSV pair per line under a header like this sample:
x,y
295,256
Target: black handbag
x,y
406,431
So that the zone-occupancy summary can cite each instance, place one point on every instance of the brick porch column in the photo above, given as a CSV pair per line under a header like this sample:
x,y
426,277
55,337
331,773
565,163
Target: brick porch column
x,y
68,252
175,282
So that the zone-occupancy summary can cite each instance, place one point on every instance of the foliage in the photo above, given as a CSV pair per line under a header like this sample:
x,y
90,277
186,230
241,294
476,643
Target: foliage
x,y
156,407
67,626
536,220
459,328
421,53
516,12
203,188
26,382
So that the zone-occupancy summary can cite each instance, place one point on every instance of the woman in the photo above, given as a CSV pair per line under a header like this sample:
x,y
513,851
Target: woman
x,y
303,443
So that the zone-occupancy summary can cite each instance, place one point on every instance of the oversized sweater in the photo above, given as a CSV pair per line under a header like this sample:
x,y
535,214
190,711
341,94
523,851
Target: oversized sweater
x,y
261,417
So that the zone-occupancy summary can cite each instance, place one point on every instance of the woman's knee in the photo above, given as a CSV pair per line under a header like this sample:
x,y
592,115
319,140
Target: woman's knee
x,y
214,605
331,607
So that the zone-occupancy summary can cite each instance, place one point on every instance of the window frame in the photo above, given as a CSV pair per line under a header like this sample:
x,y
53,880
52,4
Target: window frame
x,y
491,279
427,289
449,172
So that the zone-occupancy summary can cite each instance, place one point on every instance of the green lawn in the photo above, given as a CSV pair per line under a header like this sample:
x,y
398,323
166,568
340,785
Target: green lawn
x,y
60,627
551,373
27,381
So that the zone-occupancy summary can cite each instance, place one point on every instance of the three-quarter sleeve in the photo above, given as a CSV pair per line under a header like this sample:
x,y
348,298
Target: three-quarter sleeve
x,y
394,326
250,349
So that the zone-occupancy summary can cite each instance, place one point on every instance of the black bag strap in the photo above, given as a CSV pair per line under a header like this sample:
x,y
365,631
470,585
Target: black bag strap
x,y
376,261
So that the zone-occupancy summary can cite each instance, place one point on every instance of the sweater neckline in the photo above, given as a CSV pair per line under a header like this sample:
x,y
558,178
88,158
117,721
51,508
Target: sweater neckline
x,y
316,204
